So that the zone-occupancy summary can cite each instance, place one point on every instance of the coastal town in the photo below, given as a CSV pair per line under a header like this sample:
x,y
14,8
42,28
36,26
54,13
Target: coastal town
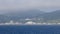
x,y
28,23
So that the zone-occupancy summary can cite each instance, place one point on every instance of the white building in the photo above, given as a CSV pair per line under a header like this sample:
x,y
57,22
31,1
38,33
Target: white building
x,y
30,23
44,23
10,23
49,23
58,23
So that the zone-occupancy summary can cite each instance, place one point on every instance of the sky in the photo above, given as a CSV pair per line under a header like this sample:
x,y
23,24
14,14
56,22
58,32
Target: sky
x,y
43,5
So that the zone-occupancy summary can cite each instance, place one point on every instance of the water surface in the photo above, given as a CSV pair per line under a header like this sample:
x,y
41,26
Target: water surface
x,y
33,29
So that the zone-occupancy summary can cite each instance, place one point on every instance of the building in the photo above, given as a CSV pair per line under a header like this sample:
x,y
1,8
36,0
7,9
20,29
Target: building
x,y
30,23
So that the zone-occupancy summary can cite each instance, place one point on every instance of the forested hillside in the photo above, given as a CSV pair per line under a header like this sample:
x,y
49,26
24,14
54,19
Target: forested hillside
x,y
34,15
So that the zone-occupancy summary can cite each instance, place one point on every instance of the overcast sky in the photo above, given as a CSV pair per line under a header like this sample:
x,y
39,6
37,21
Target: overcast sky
x,y
44,5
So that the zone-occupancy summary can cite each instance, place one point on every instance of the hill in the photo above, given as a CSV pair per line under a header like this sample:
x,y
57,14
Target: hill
x,y
52,16
34,15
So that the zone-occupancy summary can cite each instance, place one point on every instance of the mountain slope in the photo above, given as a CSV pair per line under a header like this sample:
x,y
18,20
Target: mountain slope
x,y
26,14
52,15
43,16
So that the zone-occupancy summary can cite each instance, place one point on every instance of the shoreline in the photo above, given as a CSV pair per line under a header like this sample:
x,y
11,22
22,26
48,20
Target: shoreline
x,y
30,24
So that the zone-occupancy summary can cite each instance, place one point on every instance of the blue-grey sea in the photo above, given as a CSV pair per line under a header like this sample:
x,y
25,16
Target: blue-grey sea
x,y
30,29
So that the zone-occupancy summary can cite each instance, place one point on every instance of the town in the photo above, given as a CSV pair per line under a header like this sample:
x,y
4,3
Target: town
x,y
28,23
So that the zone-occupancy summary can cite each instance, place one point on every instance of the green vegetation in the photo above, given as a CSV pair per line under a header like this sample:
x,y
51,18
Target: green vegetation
x,y
35,16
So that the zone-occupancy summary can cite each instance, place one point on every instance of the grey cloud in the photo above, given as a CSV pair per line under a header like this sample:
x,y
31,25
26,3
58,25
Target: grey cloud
x,y
18,4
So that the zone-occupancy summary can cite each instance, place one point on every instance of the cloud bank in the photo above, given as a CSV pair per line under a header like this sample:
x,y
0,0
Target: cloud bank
x,y
28,4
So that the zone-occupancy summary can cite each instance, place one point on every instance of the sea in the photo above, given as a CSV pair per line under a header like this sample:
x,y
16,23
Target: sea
x,y
30,29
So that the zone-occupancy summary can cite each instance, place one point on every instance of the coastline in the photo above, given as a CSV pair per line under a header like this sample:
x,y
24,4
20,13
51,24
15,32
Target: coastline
x,y
26,24
29,23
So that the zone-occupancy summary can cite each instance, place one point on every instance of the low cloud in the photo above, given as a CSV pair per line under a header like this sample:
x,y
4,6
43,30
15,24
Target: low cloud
x,y
26,4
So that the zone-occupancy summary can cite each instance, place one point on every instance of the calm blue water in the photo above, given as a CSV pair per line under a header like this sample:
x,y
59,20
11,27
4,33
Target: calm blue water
x,y
30,29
